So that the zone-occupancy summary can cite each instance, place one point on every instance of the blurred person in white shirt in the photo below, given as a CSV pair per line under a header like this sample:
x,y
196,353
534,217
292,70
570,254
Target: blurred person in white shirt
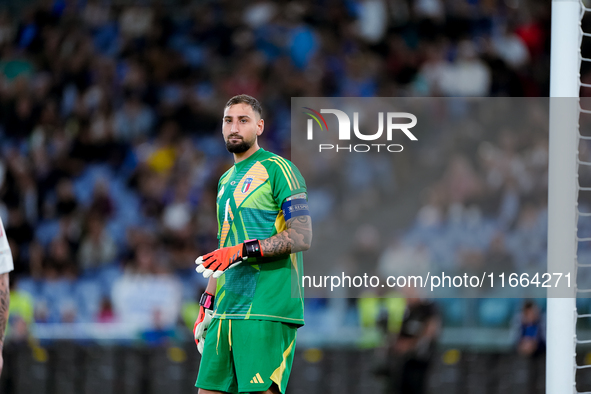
x,y
6,265
468,75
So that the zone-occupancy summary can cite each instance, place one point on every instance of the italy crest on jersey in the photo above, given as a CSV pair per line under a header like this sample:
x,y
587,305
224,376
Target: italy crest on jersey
x,y
246,184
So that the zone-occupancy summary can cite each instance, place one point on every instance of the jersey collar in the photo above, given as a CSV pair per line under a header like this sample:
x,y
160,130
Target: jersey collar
x,y
239,166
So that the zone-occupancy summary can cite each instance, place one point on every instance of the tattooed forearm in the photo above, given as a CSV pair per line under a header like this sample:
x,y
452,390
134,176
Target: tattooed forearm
x,y
296,238
4,303
278,245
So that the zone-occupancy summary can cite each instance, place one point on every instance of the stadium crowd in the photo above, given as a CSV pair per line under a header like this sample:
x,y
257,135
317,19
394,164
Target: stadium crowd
x,y
110,119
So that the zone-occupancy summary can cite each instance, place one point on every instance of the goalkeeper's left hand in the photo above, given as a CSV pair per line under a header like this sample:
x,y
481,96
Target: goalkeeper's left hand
x,y
221,260
203,320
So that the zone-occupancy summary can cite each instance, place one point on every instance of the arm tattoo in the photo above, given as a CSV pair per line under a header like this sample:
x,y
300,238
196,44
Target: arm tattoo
x,y
4,303
297,237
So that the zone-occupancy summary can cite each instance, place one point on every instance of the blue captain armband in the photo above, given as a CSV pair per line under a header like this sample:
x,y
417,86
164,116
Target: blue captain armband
x,y
295,206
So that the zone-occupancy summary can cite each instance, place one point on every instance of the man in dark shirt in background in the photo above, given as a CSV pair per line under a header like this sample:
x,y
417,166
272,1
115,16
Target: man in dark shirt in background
x,y
410,354
532,338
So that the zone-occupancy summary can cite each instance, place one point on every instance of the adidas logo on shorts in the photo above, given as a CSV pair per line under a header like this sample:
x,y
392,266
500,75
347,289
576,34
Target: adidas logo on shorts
x,y
257,379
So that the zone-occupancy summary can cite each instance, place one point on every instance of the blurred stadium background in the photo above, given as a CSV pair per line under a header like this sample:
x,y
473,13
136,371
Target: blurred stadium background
x,y
110,153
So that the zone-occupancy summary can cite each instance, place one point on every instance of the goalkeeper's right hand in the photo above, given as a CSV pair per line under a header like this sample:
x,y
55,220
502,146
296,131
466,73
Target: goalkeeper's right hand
x,y
203,320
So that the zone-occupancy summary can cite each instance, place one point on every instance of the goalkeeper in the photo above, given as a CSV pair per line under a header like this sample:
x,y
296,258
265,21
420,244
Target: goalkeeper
x,y
253,305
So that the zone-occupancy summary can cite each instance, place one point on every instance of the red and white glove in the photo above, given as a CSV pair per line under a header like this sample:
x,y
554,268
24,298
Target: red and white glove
x,y
203,320
220,260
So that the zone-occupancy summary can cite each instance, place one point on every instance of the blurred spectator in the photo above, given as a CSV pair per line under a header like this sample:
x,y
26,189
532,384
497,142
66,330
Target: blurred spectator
x,y
97,247
468,75
365,251
66,204
102,204
134,121
135,21
68,311
531,344
403,259
106,314
36,260
21,313
22,118
144,288
161,333
152,187
527,241
18,229
432,71
59,262
20,235
498,258
164,154
411,352
380,318
70,230
511,48
178,219
96,13
531,341
6,28
461,181
373,20
143,262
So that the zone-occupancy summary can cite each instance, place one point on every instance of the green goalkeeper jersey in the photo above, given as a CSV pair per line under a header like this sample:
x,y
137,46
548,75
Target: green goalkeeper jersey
x,y
249,200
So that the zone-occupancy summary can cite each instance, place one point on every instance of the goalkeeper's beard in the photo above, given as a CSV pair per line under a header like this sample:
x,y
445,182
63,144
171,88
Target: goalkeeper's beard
x,y
238,147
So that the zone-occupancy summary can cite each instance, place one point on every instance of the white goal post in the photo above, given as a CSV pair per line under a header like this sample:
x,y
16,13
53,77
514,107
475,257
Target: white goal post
x,y
562,191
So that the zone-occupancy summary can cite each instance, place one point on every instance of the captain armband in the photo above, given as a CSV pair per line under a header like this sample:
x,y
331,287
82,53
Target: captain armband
x,y
295,206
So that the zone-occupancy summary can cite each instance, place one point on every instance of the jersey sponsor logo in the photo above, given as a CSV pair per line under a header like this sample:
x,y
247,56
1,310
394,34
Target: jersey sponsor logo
x,y
246,184
257,379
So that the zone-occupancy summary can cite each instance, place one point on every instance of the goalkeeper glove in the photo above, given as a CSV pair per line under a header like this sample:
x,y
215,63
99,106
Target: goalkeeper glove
x,y
220,260
203,320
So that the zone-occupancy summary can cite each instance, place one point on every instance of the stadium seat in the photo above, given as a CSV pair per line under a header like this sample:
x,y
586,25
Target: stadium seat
x,y
496,312
107,275
46,231
57,294
85,183
88,295
117,230
192,284
454,311
29,285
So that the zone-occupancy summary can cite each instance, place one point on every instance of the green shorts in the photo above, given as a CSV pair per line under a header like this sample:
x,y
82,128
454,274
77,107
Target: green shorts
x,y
243,356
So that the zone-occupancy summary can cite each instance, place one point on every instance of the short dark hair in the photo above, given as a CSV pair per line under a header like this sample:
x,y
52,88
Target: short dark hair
x,y
246,99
